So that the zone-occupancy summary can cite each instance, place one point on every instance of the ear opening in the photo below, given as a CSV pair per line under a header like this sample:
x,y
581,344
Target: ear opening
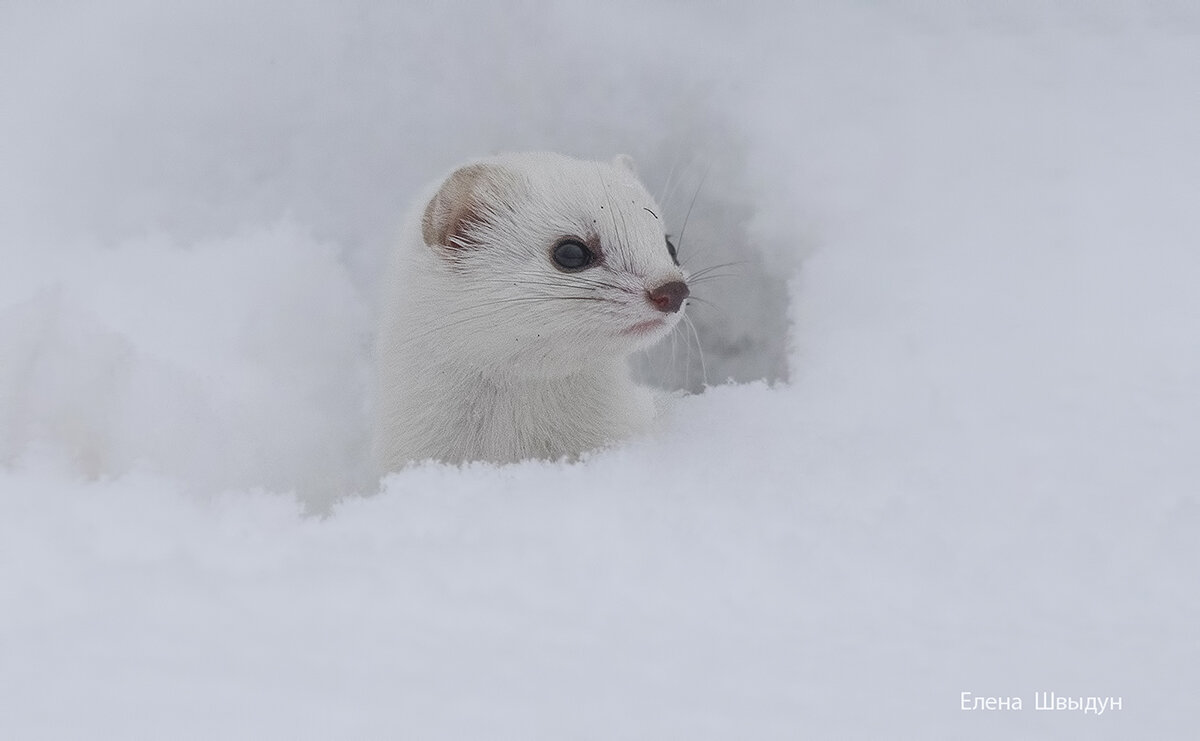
x,y
461,205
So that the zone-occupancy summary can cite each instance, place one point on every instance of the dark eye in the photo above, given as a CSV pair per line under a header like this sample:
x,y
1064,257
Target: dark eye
x,y
571,254
671,249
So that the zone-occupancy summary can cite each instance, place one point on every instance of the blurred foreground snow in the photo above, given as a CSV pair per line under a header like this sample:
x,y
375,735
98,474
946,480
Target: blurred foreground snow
x,y
981,474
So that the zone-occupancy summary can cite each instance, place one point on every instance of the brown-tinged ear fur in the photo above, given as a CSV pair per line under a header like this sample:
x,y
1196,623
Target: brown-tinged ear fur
x,y
458,205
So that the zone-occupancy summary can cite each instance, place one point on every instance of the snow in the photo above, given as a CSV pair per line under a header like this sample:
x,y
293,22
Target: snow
x,y
967,236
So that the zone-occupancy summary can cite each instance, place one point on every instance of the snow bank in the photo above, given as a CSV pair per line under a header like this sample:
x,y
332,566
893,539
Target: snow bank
x,y
980,476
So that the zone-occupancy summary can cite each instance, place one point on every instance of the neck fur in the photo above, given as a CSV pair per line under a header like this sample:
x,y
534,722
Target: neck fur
x,y
454,412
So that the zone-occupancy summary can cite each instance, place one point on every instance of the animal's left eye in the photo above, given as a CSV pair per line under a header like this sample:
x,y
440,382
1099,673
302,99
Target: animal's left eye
x,y
671,249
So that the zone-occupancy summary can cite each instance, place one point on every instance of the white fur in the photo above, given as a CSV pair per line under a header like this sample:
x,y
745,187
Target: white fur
x,y
489,352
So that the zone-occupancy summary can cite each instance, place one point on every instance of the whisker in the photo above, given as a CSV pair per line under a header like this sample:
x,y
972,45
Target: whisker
x,y
699,349
692,205
486,311
707,303
718,266
687,362
608,196
665,193
624,229
711,277
566,280
674,338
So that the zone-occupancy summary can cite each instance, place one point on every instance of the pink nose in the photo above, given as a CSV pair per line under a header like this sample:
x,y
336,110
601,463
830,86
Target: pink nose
x,y
669,296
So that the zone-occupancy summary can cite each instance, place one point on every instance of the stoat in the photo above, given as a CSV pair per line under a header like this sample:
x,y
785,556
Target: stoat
x,y
519,287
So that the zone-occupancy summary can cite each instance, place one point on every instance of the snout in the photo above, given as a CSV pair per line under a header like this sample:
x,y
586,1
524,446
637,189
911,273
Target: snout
x,y
668,297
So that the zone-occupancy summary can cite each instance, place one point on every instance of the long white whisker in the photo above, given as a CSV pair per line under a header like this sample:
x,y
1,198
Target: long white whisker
x,y
688,215
700,350
665,192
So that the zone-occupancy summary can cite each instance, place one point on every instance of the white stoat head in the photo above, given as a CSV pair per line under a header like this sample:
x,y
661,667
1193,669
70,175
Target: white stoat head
x,y
543,264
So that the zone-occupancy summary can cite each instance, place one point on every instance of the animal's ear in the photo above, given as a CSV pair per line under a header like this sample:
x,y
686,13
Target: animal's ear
x,y
625,162
468,199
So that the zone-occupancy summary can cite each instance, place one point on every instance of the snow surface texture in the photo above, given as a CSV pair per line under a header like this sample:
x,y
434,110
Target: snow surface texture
x,y
969,236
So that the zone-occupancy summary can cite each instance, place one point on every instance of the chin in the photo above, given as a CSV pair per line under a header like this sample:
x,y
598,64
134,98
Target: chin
x,y
646,334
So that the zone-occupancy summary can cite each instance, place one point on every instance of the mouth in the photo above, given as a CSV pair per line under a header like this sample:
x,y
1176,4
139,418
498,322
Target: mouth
x,y
644,328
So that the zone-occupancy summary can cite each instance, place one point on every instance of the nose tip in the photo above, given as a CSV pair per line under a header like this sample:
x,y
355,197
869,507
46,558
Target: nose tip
x,y
669,296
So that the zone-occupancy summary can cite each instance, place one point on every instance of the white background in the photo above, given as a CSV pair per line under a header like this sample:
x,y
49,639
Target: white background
x,y
969,238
